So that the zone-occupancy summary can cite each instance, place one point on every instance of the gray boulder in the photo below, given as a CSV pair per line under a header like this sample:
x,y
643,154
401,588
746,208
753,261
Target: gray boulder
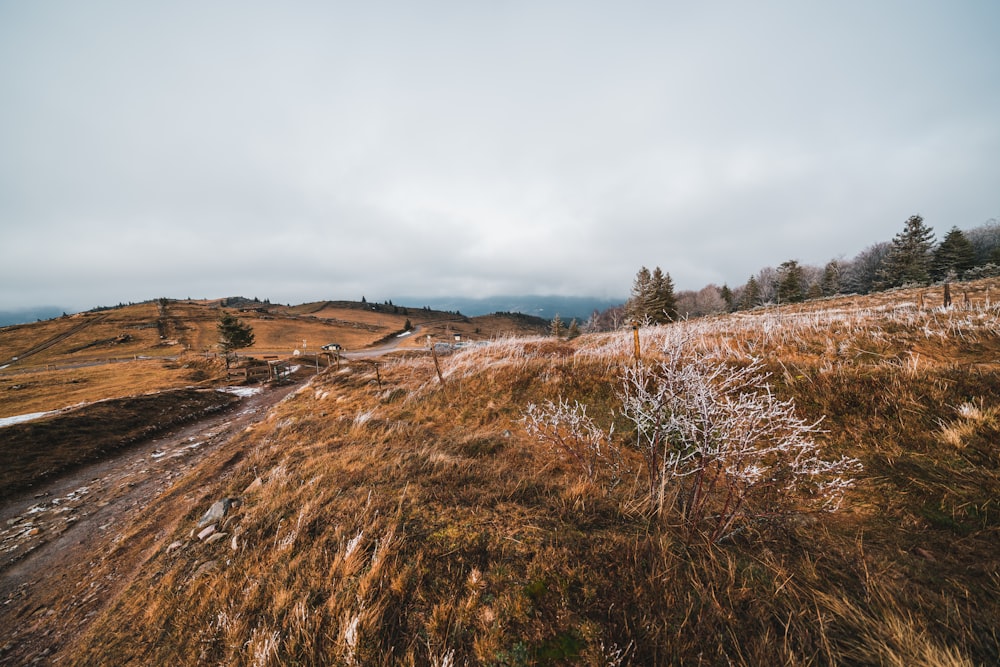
x,y
218,510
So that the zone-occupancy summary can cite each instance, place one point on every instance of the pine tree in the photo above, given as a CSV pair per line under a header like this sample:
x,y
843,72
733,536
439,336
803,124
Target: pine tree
x,y
830,283
556,327
751,294
653,299
908,261
635,307
574,330
662,306
790,282
728,296
955,255
233,334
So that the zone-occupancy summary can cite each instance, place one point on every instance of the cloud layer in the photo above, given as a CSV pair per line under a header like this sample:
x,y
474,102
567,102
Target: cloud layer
x,y
328,150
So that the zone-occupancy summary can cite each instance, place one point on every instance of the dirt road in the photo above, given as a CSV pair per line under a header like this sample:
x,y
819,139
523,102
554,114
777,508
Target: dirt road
x,y
46,344
50,537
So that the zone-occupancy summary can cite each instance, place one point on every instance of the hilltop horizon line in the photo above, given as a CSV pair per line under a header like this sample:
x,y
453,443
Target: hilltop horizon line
x,y
546,305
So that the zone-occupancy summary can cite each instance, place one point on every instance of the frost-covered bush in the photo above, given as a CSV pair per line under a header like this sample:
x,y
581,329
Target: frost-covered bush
x,y
720,448
570,431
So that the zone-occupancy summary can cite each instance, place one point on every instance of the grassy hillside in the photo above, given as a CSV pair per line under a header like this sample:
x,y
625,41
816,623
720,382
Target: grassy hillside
x,y
415,521
442,326
157,346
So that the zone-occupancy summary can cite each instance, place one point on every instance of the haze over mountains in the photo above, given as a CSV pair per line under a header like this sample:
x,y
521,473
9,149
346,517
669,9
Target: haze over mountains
x,y
23,315
566,307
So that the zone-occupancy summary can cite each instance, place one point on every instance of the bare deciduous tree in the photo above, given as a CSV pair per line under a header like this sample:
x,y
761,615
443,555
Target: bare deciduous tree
x,y
860,274
706,301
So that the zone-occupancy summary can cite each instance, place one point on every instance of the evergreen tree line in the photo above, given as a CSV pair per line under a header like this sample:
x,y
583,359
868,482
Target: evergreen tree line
x,y
559,329
912,258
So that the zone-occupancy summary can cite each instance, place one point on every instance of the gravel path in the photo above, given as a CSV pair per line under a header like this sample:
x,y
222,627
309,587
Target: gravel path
x,y
48,536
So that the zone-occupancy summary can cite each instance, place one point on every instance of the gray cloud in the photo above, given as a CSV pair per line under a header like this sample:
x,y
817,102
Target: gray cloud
x,y
329,150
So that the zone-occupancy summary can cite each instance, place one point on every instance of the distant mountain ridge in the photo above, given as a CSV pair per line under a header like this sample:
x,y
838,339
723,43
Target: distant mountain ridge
x,y
546,307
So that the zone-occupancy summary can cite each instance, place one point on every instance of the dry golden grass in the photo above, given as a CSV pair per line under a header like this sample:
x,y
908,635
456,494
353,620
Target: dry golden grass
x,y
86,337
45,390
151,347
415,522
277,331
441,327
283,329
380,317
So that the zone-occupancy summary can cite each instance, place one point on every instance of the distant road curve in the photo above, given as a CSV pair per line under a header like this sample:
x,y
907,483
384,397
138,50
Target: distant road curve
x,y
44,345
384,348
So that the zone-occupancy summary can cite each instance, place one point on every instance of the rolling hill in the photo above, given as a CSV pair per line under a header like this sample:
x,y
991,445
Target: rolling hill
x,y
477,507
156,345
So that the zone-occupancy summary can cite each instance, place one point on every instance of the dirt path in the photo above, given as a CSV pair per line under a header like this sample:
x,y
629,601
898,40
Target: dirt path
x,y
50,537
397,343
58,338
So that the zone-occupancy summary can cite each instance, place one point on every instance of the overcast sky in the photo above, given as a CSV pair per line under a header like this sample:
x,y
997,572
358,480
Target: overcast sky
x,y
309,150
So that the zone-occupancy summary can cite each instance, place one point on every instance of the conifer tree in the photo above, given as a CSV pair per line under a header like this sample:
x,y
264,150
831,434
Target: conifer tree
x,y
728,296
908,261
556,327
662,306
830,283
790,288
955,255
233,334
653,299
635,307
751,294
574,330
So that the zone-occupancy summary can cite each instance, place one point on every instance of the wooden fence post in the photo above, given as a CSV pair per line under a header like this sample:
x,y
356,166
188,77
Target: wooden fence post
x,y
635,336
437,364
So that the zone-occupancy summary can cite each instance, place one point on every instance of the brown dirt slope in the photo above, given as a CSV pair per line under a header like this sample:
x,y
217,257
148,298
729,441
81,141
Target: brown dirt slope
x,y
40,449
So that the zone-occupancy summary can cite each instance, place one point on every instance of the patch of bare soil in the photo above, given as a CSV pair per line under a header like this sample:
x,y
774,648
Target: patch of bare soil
x,y
53,535
36,450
